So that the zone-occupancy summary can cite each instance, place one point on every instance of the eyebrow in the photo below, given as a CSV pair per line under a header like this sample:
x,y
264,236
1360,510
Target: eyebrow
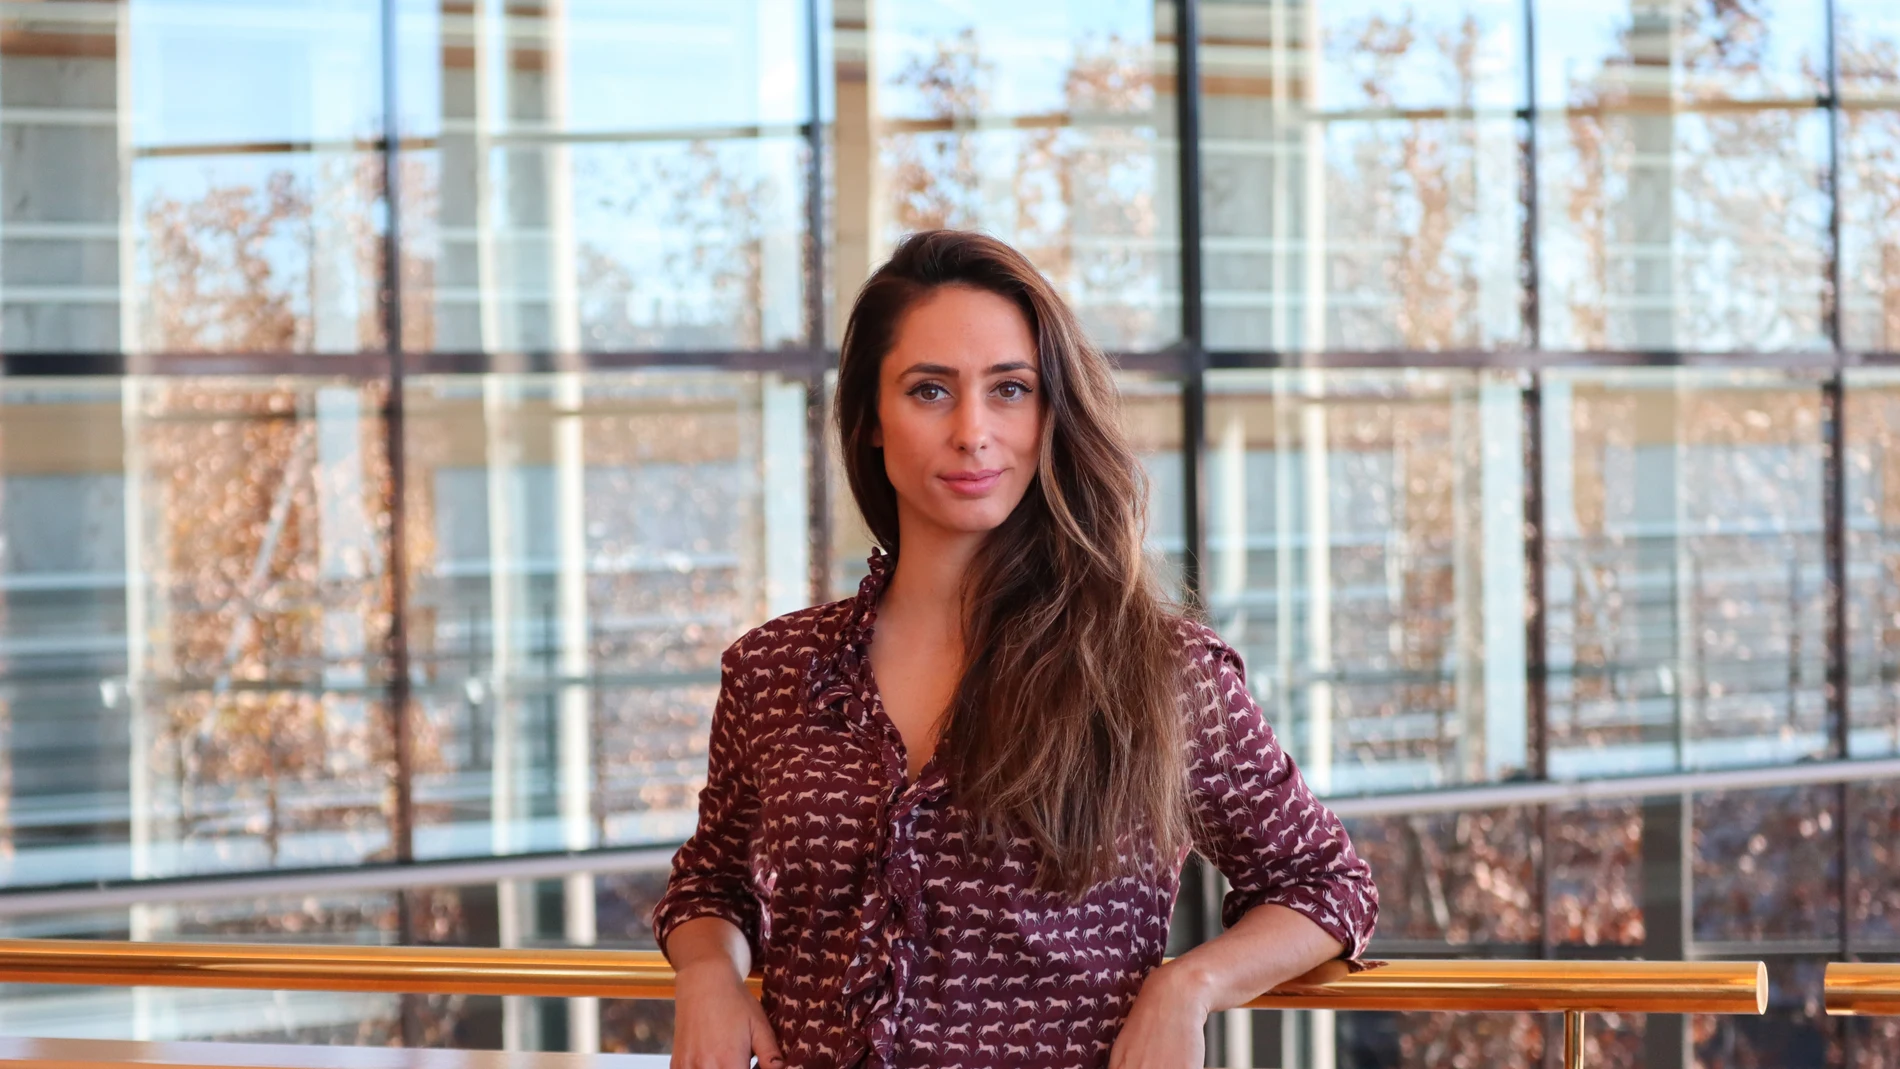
x,y
950,372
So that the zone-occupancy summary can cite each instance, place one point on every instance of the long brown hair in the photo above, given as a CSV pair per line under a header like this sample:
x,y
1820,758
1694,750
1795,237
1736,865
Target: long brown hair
x,y
1067,726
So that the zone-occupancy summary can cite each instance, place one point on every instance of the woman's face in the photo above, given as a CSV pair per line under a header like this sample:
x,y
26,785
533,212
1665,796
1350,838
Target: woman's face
x,y
959,412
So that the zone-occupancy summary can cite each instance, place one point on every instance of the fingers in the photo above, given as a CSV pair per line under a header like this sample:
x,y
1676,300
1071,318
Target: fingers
x,y
764,1042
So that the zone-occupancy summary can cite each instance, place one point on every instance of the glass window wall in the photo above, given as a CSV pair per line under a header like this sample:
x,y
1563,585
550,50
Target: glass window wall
x,y
344,524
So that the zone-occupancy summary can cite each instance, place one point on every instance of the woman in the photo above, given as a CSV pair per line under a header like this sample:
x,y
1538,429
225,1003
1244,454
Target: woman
x,y
948,816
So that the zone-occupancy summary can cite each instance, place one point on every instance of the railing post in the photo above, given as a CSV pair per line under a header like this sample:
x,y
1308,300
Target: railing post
x,y
1573,1039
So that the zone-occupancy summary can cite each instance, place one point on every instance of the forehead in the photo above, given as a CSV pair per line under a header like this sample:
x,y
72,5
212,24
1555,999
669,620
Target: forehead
x,y
962,325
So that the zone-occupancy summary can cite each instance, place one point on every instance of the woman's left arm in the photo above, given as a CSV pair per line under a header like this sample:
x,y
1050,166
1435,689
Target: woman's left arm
x,y
1301,896
1271,945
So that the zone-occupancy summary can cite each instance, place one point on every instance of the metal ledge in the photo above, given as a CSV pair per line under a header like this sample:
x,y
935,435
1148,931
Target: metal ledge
x,y
1477,986
1863,989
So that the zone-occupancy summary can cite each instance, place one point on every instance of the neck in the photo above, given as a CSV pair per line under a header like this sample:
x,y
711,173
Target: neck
x,y
928,580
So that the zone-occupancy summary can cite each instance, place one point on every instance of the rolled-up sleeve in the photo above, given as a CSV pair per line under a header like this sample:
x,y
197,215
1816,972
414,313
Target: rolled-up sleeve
x,y
712,872
1256,819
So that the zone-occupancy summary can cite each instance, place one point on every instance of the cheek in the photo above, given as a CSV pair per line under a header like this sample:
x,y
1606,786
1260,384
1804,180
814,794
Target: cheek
x,y
899,440
1025,435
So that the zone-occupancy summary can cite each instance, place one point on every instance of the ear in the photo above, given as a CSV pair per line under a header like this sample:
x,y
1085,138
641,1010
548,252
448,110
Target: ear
x,y
877,437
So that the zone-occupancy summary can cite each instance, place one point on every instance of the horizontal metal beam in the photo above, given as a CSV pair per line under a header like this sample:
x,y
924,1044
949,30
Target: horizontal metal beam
x,y
365,879
375,365
797,360
1615,788
380,878
1545,359
197,1054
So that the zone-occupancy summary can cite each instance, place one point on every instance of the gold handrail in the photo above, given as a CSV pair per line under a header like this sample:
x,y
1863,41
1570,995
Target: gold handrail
x,y
1862,989
1572,988
409,970
1531,987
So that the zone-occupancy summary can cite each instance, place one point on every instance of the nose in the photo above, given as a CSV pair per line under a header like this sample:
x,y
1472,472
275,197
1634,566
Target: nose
x,y
969,426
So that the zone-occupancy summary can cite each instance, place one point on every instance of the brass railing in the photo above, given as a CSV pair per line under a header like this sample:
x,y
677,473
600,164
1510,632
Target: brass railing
x,y
1572,988
1863,989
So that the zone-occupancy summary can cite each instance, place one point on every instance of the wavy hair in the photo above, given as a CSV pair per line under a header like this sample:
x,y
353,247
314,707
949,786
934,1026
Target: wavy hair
x,y
1066,726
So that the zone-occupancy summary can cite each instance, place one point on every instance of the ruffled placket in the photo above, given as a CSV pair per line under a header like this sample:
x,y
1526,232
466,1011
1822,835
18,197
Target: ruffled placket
x,y
891,919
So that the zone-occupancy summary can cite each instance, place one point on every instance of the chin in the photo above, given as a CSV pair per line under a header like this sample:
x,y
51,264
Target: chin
x,y
972,521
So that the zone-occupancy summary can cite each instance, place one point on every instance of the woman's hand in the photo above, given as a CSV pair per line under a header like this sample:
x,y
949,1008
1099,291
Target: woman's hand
x,y
717,1024
1164,1027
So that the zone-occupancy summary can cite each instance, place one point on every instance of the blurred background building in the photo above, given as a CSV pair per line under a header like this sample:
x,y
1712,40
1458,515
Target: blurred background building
x,y
405,402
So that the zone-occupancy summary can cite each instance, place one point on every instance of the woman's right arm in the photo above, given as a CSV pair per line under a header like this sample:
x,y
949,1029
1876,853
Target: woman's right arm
x,y
707,921
711,960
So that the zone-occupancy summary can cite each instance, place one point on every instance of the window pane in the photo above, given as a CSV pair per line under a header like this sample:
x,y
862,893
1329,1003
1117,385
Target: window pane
x,y
258,253
584,548
1378,1040
1867,38
607,177
1463,879
1365,543
230,72
1767,865
1874,851
1684,583
191,176
1872,424
1700,231
1654,52
63,566
1596,879
1044,125
1870,220
61,225
1671,216
195,571
603,247
1360,175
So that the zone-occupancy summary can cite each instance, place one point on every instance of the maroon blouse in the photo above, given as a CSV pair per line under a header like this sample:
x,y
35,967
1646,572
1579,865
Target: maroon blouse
x,y
890,937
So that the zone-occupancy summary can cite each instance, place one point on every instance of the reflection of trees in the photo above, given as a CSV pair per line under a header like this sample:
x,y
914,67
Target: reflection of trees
x,y
1400,232
934,178
714,203
1767,865
219,279
1075,191
263,267
1750,625
1596,874
420,206
1737,190
1465,879
235,485
1870,197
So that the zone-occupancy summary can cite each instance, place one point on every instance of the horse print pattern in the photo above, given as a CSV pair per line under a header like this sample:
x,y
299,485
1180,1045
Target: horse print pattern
x,y
891,936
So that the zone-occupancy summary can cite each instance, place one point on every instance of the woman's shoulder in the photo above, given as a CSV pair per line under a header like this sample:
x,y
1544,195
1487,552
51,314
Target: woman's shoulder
x,y
791,639
1200,644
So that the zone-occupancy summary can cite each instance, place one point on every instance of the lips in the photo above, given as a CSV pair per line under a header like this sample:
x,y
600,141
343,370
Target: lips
x,y
971,483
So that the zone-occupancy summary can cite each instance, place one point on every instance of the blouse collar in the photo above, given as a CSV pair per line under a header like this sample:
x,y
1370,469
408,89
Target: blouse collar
x,y
863,613
836,673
